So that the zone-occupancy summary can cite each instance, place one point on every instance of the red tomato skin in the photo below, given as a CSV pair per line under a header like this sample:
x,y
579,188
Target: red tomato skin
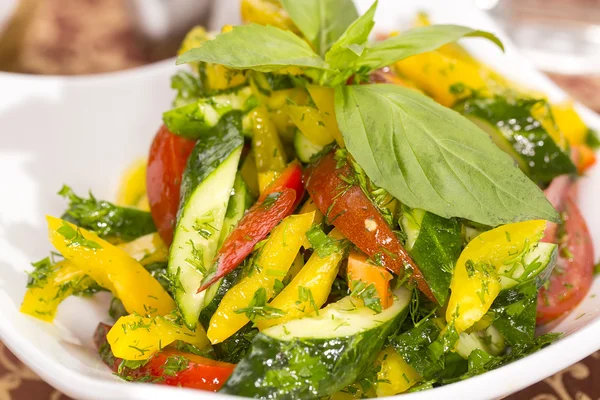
x,y
166,162
348,209
572,277
254,226
290,178
201,373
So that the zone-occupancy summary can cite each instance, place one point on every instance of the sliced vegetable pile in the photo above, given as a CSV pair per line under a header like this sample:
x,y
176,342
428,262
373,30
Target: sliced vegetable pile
x,y
321,216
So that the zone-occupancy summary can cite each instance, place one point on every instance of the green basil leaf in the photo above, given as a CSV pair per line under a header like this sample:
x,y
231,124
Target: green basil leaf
x,y
416,41
257,47
321,21
351,45
431,157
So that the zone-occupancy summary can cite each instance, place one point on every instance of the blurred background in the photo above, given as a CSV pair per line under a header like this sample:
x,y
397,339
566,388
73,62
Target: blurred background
x,y
76,37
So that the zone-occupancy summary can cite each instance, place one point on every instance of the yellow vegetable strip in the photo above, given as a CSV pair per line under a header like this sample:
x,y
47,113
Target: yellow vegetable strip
x,y
310,122
476,282
309,290
42,301
133,184
324,99
111,268
134,337
146,249
272,263
310,206
395,375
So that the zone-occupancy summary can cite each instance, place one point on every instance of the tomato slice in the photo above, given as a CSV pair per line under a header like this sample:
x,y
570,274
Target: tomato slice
x,y
168,156
572,277
350,210
169,367
254,226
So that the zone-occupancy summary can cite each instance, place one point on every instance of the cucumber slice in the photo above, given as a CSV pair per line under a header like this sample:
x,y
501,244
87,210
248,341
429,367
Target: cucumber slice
x,y
305,149
537,264
489,340
239,202
434,243
513,127
316,356
197,119
205,191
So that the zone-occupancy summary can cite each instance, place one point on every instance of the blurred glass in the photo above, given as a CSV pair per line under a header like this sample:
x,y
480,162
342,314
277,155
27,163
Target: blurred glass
x,y
562,38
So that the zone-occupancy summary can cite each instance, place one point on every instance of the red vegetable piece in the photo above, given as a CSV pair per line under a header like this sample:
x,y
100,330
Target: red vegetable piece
x,y
351,211
573,274
168,156
254,226
290,178
169,367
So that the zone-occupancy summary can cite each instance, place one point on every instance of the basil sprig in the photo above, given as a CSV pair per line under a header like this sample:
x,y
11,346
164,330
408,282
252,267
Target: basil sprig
x,y
426,155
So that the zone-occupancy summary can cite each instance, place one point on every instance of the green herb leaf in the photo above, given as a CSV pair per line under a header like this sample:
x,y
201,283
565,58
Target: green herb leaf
x,y
417,41
258,308
430,157
188,87
351,44
106,219
174,365
257,47
321,21
320,242
75,238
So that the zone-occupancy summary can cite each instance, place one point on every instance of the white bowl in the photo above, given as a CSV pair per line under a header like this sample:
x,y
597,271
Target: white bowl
x,y
83,131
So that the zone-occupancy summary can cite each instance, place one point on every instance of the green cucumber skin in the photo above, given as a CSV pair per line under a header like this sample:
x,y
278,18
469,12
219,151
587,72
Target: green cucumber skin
x,y
224,285
515,313
234,348
222,150
540,156
307,368
438,243
197,120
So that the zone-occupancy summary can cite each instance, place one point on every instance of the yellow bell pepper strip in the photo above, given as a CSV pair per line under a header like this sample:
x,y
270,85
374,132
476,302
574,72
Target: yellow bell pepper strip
x,y
543,113
395,375
570,123
309,290
111,267
134,337
310,206
265,12
269,154
133,184
323,97
43,296
249,173
438,75
147,249
477,276
311,124
272,263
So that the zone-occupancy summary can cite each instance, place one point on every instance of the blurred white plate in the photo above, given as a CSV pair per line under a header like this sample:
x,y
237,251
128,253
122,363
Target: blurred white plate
x,y
84,131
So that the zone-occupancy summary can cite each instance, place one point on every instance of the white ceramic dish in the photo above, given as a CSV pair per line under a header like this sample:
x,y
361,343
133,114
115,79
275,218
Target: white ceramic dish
x,y
84,130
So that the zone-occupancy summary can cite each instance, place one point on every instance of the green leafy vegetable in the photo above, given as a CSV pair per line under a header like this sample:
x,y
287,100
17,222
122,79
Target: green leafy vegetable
x,y
106,219
174,365
75,238
351,44
258,308
322,22
430,157
262,48
417,41
320,242
514,313
368,294
41,272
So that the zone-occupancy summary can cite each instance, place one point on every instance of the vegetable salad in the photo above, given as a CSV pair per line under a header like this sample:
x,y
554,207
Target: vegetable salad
x,y
324,216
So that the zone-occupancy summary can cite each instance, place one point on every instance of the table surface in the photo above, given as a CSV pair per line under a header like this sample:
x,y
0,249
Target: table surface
x,y
43,49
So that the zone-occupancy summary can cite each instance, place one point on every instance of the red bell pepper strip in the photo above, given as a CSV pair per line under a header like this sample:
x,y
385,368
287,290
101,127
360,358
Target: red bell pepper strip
x,y
254,226
166,162
169,367
278,201
350,210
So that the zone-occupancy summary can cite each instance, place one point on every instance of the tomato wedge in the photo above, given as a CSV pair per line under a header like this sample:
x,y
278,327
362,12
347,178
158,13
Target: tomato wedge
x,y
350,210
168,156
290,178
572,277
169,367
